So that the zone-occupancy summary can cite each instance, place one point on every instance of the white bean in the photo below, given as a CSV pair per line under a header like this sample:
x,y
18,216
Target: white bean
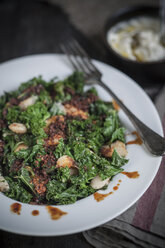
x,y
119,146
18,128
98,183
4,186
21,146
28,102
65,161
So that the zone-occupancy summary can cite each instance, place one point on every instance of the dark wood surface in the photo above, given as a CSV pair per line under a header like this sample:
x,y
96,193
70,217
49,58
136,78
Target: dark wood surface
x,y
33,27
9,240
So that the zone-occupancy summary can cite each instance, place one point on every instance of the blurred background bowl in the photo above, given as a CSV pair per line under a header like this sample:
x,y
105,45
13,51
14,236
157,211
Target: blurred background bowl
x,y
140,71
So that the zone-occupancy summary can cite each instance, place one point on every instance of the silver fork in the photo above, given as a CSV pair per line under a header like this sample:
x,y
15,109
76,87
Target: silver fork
x,y
82,62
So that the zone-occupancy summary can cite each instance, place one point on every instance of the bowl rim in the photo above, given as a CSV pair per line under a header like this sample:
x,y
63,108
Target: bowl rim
x,y
115,19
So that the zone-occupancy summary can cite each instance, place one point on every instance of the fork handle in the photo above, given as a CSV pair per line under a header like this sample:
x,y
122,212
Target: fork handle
x,y
154,142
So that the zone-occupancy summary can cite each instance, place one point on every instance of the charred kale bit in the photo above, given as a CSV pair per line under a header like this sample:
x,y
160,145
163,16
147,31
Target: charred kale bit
x,y
54,160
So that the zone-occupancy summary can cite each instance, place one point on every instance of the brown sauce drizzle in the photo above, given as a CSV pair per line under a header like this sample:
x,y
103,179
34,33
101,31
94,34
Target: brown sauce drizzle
x,y
55,213
133,174
137,141
99,197
35,212
115,188
16,208
115,105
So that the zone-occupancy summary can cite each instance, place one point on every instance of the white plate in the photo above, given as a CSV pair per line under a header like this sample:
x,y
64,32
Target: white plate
x,y
86,213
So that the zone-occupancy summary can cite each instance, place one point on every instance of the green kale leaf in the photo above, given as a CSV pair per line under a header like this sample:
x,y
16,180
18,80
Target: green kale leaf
x,y
63,174
118,134
24,176
75,82
17,191
107,170
62,149
101,108
13,114
45,98
111,124
117,160
92,90
34,118
62,194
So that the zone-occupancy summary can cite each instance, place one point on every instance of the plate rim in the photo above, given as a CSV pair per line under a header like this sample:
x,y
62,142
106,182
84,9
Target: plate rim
x,y
138,196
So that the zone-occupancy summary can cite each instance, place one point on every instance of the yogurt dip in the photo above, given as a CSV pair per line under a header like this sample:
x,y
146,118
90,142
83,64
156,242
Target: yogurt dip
x,y
137,39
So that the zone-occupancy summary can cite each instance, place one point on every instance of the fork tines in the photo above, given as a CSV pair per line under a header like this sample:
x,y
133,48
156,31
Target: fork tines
x,y
79,58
